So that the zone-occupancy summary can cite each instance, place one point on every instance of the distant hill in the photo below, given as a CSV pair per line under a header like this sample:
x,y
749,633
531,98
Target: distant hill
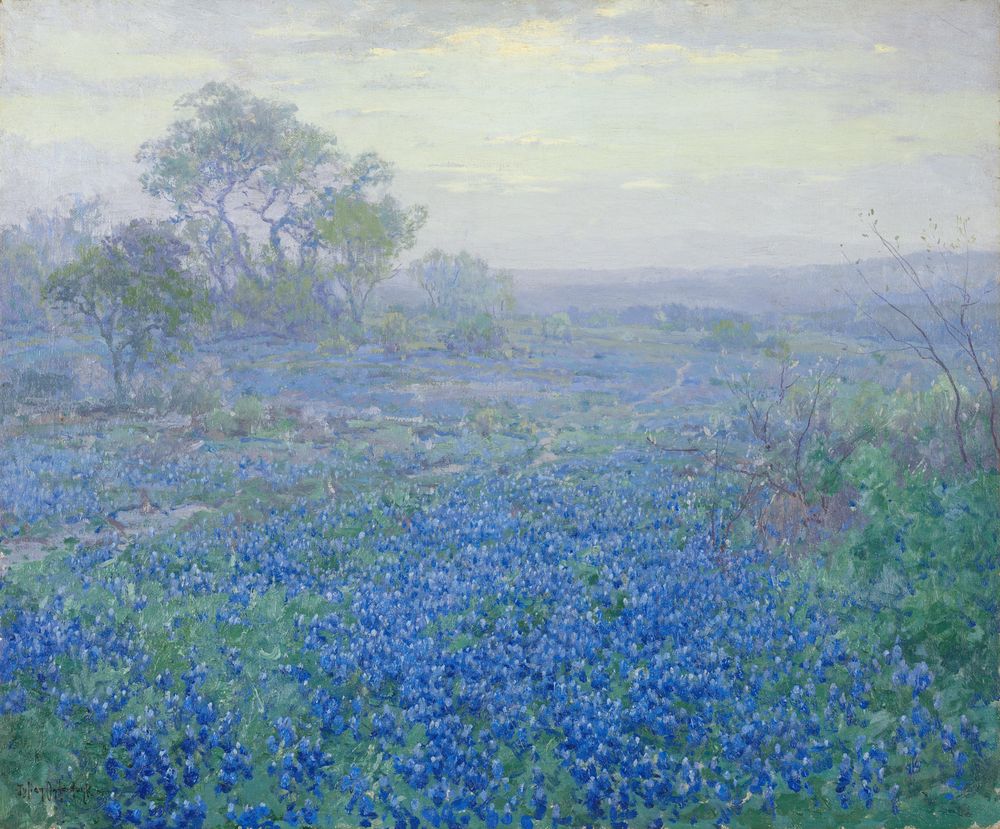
x,y
751,290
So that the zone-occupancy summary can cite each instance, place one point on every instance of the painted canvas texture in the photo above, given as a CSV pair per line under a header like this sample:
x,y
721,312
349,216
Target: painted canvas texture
x,y
424,414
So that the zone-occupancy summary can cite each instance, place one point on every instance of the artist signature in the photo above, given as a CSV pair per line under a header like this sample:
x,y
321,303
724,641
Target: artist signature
x,y
49,791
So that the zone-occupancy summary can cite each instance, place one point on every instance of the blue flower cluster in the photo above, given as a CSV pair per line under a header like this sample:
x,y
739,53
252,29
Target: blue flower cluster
x,y
58,482
556,649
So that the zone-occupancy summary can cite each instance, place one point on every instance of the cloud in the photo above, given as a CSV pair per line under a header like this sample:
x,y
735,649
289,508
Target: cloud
x,y
645,184
295,30
554,120
718,56
531,139
476,180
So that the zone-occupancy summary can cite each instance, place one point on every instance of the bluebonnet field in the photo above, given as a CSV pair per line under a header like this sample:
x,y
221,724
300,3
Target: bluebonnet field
x,y
495,605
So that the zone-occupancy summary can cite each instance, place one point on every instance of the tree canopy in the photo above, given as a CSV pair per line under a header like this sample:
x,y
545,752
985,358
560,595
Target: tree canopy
x,y
462,285
267,200
133,288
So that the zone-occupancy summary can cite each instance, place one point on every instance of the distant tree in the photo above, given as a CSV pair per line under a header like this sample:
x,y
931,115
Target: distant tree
x,y
481,334
21,270
359,243
29,251
730,334
134,290
461,284
439,275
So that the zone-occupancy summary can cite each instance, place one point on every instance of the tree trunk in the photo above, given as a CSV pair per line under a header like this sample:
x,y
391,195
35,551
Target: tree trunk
x,y
234,235
118,374
956,417
357,308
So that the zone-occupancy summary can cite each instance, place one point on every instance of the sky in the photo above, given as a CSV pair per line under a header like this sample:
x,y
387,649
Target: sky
x,y
594,135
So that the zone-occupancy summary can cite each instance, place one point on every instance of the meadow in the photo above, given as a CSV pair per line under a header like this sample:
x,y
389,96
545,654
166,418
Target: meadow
x,y
295,584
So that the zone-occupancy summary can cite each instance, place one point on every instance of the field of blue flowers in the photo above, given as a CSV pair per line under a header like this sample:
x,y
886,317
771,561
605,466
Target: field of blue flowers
x,y
443,632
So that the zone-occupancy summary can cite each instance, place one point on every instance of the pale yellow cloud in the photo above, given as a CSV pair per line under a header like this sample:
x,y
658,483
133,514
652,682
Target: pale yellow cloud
x,y
600,66
529,38
568,110
610,40
709,57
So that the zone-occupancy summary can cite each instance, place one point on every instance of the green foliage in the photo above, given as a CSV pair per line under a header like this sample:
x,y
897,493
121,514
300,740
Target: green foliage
x,y
359,241
557,327
937,542
250,413
393,332
133,289
221,420
287,304
481,335
731,335
499,417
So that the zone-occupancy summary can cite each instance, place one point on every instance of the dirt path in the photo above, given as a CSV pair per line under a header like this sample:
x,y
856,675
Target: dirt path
x,y
681,373
546,455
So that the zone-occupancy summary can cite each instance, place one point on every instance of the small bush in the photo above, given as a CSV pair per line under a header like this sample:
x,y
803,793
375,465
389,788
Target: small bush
x,y
198,391
393,332
221,420
481,334
91,376
148,394
557,327
250,413
728,334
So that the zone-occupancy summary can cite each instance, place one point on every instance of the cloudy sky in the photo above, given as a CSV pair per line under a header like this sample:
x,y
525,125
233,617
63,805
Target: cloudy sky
x,y
549,134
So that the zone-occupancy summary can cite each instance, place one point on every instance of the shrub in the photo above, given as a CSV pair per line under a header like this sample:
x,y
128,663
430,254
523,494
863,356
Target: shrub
x,y
250,413
221,420
557,327
393,332
481,334
729,334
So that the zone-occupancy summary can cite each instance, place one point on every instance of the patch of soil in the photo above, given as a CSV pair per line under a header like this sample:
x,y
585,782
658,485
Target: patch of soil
x,y
124,525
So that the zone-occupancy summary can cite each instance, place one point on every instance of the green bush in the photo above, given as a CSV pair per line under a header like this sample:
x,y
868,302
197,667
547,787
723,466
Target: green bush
x,y
221,420
284,304
557,327
728,334
481,334
393,332
250,414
